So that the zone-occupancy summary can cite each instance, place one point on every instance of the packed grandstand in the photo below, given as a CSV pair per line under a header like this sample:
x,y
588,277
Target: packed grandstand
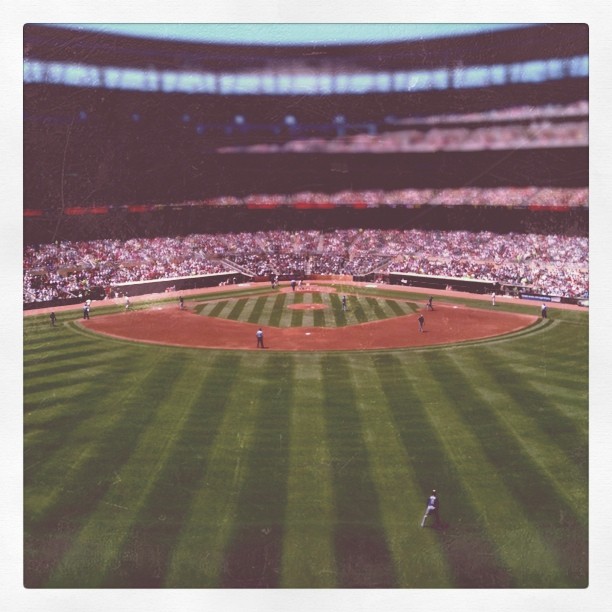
x,y
485,180
548,264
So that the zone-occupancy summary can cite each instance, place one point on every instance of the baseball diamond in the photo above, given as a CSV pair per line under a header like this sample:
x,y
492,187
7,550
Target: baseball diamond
x,y
370,324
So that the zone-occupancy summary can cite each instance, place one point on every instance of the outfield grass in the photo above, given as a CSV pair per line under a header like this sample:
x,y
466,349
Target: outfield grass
x,y
168,467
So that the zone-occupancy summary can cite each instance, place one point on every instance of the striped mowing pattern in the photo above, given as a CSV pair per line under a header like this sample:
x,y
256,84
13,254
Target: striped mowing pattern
x,y
275,309
167,467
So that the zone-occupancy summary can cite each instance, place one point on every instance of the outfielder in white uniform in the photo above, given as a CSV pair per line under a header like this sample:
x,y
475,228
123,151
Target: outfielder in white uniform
x,y
432,509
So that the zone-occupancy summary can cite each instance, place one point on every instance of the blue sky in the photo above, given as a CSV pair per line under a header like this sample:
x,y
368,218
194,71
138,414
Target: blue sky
x,y
291,33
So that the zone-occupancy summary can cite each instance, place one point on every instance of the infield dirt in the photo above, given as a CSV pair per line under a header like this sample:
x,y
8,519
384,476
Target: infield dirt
x,y
167,324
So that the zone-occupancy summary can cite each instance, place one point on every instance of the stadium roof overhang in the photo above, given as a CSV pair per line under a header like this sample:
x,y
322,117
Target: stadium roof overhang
x,y
58,44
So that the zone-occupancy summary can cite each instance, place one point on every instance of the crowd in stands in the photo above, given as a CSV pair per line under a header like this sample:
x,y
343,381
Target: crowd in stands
x,y
579,108
464,196
538,134
548,264
517,127
64,269
510,197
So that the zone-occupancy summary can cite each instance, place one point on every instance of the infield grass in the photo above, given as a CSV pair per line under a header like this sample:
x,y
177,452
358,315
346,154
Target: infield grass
x,y
276,309
151,466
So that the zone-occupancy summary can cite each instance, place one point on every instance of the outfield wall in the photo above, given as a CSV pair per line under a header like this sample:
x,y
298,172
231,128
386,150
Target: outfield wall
x,y
398,279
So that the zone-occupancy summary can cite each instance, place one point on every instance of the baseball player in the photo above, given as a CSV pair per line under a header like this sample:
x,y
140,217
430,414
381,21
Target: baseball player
x,y
432,509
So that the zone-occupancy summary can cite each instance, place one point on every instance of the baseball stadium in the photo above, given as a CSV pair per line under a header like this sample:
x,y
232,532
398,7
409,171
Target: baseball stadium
x,y
277,298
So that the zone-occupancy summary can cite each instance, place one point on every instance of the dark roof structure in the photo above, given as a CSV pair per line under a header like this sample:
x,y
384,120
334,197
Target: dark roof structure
x,y
546,41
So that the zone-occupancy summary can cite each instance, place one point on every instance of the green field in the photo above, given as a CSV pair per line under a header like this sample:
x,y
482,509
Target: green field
x,y
274,309
151,466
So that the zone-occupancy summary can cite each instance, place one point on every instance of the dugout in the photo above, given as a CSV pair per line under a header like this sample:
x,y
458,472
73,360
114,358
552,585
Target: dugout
x,y
469,285
181,283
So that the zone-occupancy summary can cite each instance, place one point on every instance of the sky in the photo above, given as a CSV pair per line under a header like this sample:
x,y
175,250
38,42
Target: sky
x,y
290,33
